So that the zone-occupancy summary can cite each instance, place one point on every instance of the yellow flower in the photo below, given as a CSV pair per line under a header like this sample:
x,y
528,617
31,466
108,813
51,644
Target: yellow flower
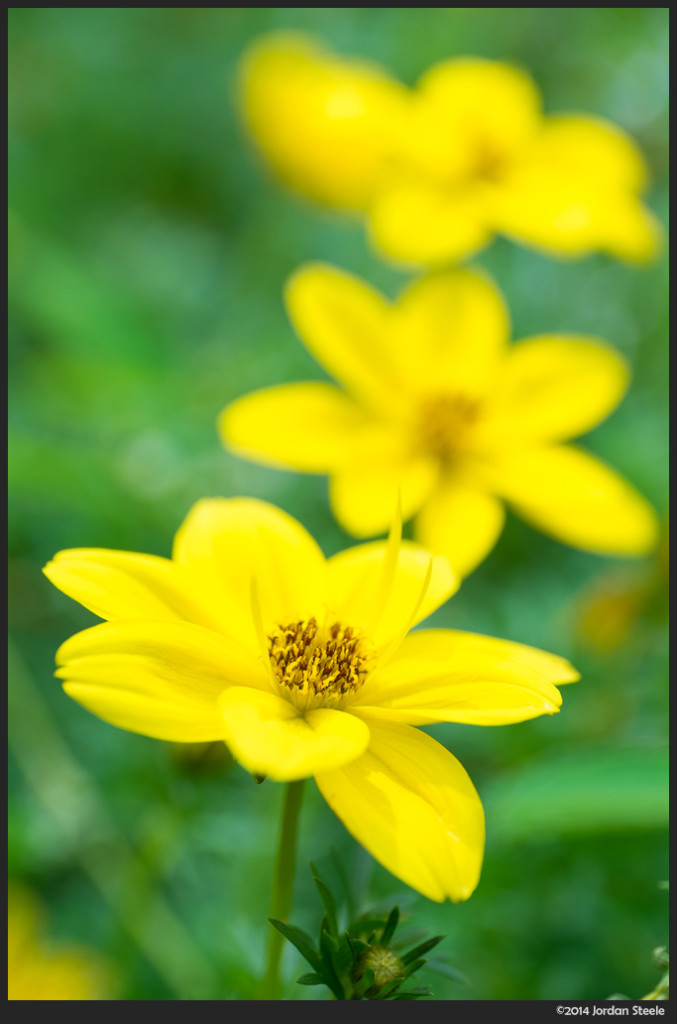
x,y
440,408
439,169
305,666
613,606
37,970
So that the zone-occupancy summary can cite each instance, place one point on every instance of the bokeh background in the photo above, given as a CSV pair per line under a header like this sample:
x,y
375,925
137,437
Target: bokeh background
x,y
148,250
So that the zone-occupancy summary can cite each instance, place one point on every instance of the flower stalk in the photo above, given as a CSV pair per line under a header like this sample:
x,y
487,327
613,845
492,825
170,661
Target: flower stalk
x,y
283,884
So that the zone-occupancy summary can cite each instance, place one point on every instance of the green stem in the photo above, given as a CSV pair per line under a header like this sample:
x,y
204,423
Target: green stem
x,y
283,885
661,989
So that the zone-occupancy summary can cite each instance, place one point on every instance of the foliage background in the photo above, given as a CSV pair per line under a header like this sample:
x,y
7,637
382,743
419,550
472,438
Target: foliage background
x,y
148,249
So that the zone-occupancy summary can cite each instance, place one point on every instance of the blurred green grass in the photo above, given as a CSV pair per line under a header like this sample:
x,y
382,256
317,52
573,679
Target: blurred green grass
x,y
148,250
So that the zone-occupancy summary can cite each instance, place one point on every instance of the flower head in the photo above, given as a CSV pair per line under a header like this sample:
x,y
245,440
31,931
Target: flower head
x,y
38,970
305,666
439,169
385,965
439,407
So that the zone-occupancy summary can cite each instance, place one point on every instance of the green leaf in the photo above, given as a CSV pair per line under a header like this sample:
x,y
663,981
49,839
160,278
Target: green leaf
x,y
446,970
365,925
310,979
414,966
421,950
342,958
411,935
328,947
391,925
413,993
390,986
602,790
345,882
328,941
328,901
362,986
357,946
301,940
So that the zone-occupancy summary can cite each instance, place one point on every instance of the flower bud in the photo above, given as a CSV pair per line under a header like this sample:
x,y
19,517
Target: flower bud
x,y
383,962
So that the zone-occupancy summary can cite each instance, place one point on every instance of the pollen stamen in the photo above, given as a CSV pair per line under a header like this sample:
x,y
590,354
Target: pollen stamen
x,y
318,666
445,422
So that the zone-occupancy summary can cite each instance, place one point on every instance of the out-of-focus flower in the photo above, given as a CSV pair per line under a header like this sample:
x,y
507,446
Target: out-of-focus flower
x,y
438,170
37,969
611,608
326,125
305,666
441,409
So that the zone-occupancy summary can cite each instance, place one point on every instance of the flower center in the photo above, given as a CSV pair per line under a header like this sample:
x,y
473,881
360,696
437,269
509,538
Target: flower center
x,y
445,423
317,666
383,962
490,162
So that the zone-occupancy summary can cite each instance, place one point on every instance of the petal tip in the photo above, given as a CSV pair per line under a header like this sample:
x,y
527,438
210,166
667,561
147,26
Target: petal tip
x,y
571,674
306,272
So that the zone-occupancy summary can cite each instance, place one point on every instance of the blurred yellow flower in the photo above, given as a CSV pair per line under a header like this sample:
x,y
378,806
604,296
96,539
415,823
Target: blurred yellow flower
x,y
614,606
438,170
40,970
442,410
305,666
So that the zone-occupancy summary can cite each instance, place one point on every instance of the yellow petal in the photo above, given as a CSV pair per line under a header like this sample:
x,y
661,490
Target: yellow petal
x,y
53,975
131,709
161,679
556,387
311,427
344,323
24,923
355,577
230,542
578,499
566,217
419,222
631,231
592,148
450,330
436,646
412,805
450,676
201,662
363,497
474,116
575,190
37,968
125,585
325,124
548,212
269,736
460,521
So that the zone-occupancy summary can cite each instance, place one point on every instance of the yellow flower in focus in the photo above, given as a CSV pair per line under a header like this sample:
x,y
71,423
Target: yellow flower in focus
x,y
38,970
440,408
305,666
438,170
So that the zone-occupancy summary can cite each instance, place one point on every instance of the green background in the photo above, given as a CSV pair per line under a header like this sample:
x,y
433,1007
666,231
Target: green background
x,y
148,251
